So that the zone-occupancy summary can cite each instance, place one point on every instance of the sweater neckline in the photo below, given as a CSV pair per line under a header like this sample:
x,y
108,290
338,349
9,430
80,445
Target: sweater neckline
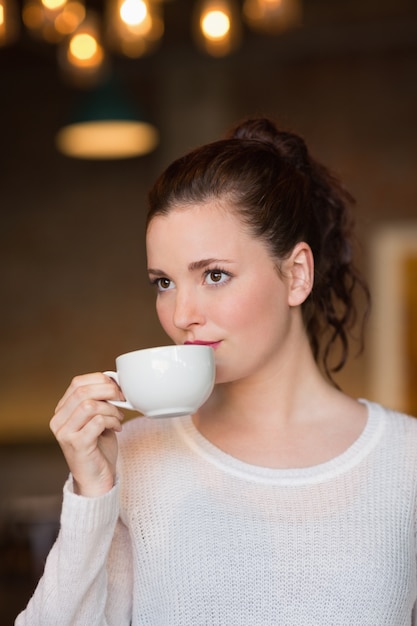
x,y
321,472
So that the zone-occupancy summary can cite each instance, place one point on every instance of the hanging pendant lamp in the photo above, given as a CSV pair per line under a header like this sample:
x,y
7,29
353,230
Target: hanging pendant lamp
x,y
107,126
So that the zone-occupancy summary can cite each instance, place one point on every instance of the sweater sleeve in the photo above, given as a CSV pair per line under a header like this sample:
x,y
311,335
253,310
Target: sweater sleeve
x,y
87,578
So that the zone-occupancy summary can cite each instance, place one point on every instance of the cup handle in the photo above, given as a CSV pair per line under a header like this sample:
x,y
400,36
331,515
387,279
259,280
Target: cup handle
x,y
118,403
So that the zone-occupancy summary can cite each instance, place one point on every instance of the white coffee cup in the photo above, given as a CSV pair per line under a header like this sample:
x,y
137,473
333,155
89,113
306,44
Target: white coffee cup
x,y
166,381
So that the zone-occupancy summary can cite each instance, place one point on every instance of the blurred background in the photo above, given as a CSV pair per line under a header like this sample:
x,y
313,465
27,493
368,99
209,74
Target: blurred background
x,y
74,289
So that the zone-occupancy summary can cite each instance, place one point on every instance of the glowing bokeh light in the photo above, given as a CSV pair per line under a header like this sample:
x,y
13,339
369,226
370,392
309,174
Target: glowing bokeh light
x,y
133,12
215,24
84,51
53,5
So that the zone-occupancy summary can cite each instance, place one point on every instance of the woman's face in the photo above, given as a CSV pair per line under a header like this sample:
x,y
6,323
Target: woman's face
x,y
218,285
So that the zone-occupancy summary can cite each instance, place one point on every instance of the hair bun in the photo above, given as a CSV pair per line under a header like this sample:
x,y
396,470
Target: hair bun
x,y
260,129
290,147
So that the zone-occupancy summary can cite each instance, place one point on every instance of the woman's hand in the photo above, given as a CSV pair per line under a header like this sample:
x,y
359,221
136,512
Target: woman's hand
x,y
85,427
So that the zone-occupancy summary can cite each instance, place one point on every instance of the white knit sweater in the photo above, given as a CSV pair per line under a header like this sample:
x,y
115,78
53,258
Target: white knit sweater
x,y
194,537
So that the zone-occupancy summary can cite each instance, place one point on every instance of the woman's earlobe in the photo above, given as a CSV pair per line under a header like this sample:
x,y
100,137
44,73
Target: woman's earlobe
x,y
301,272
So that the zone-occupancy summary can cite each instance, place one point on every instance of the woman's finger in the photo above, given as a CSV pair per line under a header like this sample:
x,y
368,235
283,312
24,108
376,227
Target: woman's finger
x,y
79,383
75,419
81,395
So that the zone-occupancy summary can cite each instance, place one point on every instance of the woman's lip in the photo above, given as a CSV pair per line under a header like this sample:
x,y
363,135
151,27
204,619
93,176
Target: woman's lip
x,y
212,344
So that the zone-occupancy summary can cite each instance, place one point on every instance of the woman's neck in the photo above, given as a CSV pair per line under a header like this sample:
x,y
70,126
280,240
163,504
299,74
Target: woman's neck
x,y
278,392
293,419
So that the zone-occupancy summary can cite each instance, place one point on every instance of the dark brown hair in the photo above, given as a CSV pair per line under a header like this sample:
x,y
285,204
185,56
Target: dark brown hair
x,y
284,196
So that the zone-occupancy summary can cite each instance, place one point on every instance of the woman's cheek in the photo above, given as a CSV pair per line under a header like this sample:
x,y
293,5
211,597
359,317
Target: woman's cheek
x,y
164,316
161,313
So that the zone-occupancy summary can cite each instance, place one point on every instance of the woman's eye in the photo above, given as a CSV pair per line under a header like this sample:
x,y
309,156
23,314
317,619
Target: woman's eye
x,y
163,284
216,277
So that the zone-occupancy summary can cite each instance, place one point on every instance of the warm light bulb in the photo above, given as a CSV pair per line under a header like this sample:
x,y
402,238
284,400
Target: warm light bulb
x,y
69,18
133,12
85,51
272,16
52,20
9,22
81,56
83,46
215,24
53,5
33,16
133,27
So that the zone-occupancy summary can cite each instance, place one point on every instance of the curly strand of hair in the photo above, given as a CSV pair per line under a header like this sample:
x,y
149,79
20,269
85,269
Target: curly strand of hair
x,y
336,277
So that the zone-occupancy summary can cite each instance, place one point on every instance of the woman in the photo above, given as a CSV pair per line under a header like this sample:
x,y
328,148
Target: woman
x,y
282,500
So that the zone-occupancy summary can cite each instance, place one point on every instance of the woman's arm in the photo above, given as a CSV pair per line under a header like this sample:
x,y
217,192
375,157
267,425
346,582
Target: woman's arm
x,y
87,578
76,587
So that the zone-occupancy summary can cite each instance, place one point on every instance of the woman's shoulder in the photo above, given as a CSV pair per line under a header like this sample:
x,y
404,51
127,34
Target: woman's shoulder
x,y
399,428
392,416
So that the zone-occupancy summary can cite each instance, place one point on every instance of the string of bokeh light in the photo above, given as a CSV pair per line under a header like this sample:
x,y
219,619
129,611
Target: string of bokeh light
x,y
85,39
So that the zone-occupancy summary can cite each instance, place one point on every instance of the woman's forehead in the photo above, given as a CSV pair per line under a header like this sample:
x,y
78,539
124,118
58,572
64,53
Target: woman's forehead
x,y
209,213
184,238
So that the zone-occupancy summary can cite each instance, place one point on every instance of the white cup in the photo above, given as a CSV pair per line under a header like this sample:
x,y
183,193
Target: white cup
x,y
167,381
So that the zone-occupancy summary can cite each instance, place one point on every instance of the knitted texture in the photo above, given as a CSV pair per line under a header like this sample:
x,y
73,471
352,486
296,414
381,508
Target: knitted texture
x,y
204,539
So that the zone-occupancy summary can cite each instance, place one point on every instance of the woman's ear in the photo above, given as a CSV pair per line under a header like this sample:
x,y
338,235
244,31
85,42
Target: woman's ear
x,y
299,268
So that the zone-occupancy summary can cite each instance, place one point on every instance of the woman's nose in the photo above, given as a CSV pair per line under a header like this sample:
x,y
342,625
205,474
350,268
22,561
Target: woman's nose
x,y
187,311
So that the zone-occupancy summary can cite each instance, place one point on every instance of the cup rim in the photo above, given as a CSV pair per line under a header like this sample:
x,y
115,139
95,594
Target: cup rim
x,y
181,346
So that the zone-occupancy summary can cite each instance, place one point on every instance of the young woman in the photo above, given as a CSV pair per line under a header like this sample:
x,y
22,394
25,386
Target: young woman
x,y
282,501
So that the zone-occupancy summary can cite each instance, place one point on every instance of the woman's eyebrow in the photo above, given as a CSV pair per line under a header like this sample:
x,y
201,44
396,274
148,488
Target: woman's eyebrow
x,y
198,265
155,272
193,266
